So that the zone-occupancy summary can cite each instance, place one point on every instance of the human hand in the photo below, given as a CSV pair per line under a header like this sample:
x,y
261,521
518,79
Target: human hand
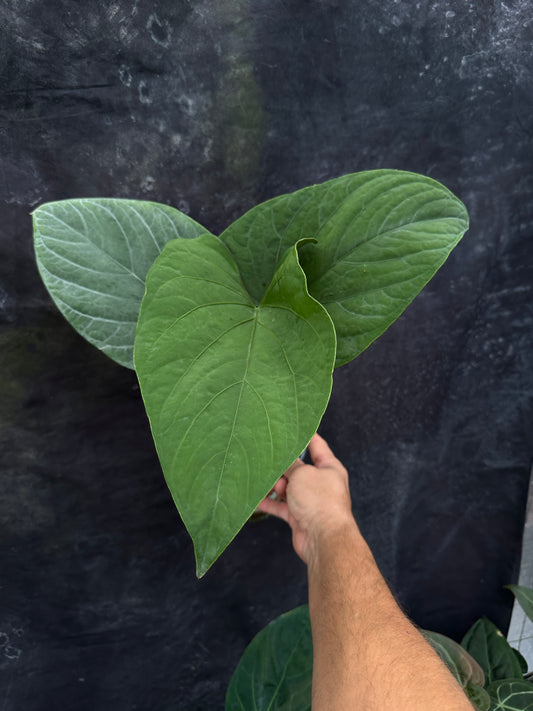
x,y
313,499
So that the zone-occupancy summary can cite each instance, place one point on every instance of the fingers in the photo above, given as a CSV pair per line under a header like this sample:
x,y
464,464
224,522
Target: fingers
x,y
274,508
278,506
320,452
294,466
280,487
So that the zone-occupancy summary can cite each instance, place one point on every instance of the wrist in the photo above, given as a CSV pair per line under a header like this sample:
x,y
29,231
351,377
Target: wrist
x,y
339,539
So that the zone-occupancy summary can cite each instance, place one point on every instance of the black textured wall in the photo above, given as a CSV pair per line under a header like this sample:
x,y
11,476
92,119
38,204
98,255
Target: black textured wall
x,y
212,107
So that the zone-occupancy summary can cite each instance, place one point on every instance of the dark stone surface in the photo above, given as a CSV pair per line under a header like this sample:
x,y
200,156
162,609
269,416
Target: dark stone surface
x,y
212,107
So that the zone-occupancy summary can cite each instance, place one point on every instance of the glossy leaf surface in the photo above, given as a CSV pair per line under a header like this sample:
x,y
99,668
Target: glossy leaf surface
x,y
275,671
511,695
234,391
524,596
93,256
492,651
381,235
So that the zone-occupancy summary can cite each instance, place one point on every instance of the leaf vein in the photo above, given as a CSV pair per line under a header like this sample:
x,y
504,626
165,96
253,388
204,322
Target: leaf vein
x,y
197,358
96,246
223,467
90,316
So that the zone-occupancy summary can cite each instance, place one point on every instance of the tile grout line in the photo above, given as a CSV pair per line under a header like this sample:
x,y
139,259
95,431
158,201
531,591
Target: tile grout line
x,y
521,627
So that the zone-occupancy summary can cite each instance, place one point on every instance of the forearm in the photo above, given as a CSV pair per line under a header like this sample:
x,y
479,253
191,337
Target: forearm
x,y
367,655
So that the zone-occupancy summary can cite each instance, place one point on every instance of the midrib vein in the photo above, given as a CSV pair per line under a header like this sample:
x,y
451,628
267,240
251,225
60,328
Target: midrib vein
x,y
237,407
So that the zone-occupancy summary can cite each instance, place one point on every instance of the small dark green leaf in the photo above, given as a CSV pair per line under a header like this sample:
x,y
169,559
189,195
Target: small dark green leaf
x,y
525,598
490,649
234,391
275,671
381,235
511,695
93,255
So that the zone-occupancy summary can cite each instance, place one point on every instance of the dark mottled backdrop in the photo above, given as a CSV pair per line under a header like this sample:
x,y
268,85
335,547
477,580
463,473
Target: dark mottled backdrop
x,y
212,107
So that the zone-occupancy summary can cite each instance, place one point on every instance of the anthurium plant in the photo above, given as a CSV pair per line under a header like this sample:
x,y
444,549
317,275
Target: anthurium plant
x,y
234,337
275,671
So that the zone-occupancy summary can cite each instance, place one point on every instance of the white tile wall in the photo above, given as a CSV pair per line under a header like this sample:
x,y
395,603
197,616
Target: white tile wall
x,y
521,629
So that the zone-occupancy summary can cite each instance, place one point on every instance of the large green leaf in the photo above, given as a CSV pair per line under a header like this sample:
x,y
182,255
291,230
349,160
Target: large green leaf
x,y
234,391
275,671
525,598
511,695
381,236
93,255
492,651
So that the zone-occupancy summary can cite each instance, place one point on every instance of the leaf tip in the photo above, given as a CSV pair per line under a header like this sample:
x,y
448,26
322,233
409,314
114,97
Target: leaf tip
x,y
202,566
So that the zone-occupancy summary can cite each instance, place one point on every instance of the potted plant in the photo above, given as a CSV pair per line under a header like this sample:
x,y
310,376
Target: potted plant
x,y
234,338
277,665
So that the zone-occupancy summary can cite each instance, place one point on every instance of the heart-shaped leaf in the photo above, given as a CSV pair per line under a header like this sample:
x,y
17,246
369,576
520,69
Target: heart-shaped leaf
x,y
234,390
492,651
93,256
275,671
511,695
524,596
381,235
